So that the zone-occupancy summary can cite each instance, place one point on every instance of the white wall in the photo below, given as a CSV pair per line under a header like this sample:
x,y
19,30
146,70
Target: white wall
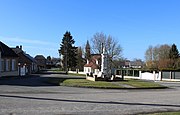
x,y
87,70
147,76
76,72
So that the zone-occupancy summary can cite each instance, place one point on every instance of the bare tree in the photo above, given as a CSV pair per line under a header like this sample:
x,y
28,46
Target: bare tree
x,y
164,51
97,40
158,56
113,48
149,57
149,54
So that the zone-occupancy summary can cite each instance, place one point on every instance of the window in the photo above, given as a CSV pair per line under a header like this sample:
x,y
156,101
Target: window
x,y
2,64
13,65
7,65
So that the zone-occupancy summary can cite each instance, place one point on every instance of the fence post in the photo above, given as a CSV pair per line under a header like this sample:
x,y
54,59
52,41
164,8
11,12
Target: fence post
x,y
154,74
133,72
160,75
140,75
170,74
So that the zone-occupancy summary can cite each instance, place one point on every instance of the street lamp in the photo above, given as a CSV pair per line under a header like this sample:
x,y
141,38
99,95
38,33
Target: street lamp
x,y
25,68
19,68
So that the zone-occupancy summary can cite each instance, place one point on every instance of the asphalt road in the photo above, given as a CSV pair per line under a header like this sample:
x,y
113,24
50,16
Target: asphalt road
x,y
32,96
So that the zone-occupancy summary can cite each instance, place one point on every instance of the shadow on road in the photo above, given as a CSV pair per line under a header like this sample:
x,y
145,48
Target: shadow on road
x,y
32,80
43,78
91,102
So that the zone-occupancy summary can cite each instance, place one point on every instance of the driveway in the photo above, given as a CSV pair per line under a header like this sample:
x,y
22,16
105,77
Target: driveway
x,y
32,96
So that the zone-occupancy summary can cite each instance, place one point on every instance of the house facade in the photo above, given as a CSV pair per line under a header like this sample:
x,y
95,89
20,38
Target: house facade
x,y
9,61
93,65
0,63
41,62
34,65
26,64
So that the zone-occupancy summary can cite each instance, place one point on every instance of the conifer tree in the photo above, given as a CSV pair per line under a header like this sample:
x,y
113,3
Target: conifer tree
x,y
68,51
174,55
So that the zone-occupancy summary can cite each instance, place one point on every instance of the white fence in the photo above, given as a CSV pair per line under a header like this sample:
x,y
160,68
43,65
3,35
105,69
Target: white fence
x,y
150,76
156,76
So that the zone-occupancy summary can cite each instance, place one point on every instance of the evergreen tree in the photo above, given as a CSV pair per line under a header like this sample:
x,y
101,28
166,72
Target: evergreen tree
x,y
174,55
68,51
80,62
87,51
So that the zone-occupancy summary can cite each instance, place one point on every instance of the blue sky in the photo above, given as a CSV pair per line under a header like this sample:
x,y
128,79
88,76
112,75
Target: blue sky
x,y
39,25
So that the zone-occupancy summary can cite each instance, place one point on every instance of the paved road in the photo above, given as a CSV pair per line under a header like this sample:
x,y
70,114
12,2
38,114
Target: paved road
x,y
31,96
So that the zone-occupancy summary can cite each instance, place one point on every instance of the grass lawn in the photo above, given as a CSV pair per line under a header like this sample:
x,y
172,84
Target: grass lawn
x,y
141,83
166,113
126,84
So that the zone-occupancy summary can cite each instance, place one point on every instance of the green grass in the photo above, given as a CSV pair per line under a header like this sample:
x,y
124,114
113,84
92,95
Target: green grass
x,y
126,84
141,84
91,84
165,113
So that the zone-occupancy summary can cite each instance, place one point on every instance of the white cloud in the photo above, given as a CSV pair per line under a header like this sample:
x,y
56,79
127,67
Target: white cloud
x,y
42,48
33,47
25,41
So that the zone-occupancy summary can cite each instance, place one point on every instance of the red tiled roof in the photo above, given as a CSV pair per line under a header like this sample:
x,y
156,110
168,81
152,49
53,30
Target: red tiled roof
x,y
92,61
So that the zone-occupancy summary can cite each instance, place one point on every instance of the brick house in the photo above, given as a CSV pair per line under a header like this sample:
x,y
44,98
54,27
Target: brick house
x,y
26,63
93,65
41,61
8,62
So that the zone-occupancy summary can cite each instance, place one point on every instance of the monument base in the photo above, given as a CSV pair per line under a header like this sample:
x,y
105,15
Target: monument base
x,y
96,78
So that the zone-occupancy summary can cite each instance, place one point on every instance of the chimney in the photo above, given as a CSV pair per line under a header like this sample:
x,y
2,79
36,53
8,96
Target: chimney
x,y
21,47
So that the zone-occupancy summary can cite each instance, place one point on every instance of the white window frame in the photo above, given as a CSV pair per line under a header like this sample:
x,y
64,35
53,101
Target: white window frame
x,y
13,63
2,64
7,65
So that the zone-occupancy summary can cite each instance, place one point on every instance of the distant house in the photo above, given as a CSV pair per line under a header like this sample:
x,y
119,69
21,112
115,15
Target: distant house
x,y
93,64
26,63
55,62
9,61
41,61
131,64
136,64
34,66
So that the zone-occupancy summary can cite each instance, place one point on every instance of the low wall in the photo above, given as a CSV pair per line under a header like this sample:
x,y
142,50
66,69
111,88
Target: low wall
x,y
151,76
131,77
157,76
77,72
